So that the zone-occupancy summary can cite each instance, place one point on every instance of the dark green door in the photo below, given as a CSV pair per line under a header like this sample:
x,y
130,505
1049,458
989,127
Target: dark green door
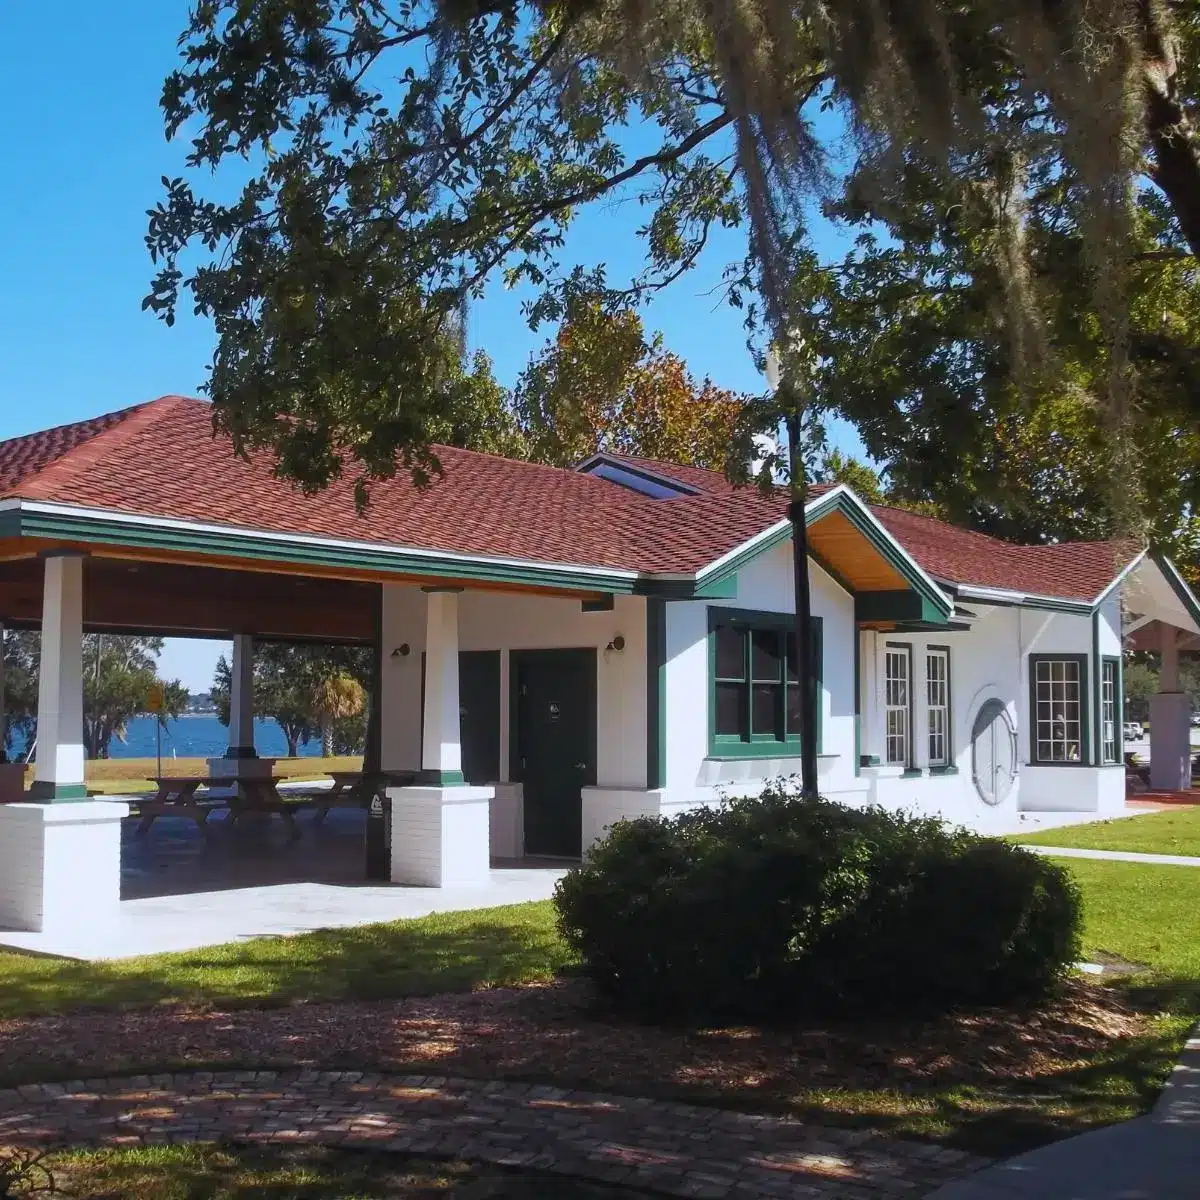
x,y
554,754
479,705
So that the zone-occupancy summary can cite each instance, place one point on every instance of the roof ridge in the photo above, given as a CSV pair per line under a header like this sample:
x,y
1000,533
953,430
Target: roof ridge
x,y
78,458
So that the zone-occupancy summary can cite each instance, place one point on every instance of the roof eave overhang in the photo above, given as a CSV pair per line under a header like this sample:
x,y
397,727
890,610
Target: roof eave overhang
x,y
1179,586
133,531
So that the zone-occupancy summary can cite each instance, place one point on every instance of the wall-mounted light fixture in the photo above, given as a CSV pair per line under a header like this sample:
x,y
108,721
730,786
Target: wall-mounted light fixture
x,y
402,651
617,644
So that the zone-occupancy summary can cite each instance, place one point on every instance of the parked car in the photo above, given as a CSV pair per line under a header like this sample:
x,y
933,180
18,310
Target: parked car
x,y
1133,730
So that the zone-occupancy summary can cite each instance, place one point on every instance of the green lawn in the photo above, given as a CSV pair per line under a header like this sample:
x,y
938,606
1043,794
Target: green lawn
x,y
1147,915
1140,914
447,952
1171,831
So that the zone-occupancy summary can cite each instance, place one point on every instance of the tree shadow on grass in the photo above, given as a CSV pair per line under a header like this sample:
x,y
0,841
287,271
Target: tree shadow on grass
x,y
444,953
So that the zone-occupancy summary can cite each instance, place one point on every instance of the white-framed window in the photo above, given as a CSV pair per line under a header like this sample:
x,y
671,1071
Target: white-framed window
x,y
1110,711
937,704
897,700
1059,707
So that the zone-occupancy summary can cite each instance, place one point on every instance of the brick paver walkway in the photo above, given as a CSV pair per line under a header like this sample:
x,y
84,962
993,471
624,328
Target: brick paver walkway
x,y
679,1149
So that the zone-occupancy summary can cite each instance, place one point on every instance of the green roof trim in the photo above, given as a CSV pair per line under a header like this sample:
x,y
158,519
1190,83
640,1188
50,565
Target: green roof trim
x,y
110,529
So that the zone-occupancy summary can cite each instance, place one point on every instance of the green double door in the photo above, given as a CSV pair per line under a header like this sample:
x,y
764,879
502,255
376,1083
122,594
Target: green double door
x,y
553,744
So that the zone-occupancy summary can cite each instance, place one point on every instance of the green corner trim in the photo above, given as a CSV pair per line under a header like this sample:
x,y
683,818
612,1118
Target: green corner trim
x,y
44,792
656,693
440,779
857,702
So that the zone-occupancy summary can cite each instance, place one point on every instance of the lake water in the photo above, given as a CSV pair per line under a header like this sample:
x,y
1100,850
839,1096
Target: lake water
x,y
198,737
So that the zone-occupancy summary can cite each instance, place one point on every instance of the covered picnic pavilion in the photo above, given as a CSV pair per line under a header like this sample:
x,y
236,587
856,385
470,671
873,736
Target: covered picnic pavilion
x,y
109,527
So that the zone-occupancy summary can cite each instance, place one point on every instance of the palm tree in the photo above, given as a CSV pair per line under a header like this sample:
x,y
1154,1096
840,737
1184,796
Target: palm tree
x,y
337,698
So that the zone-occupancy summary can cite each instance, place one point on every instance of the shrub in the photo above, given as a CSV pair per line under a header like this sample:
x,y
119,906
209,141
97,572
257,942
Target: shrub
x,y
775,904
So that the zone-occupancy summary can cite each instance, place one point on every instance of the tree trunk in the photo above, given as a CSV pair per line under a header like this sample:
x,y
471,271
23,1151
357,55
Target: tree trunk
x,y
1172,138
326,737
805,666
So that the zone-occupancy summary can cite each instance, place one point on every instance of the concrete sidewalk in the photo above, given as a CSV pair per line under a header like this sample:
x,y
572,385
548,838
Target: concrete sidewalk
x,y
1154,860
1150,1158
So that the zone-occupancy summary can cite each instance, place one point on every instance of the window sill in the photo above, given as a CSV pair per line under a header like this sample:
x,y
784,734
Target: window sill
x,y
1072,766
948,770
734,749
911,773
763,754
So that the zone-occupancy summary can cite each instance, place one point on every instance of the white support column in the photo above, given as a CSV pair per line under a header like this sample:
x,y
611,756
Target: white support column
x,y
59,772
241,699
1170,723
240,760
60,863
1168,680
441,739
440,828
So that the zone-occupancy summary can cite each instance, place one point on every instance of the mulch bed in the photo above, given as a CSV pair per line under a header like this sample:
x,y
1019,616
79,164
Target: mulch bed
x,y
556,1032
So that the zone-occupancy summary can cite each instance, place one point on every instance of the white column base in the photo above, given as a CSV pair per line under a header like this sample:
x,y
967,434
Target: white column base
x,y
440,836
60,865
508,821
1170,741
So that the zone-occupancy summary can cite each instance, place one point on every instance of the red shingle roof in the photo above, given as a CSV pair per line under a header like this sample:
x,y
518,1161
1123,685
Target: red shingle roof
x,y
1066,570
23,457
162,459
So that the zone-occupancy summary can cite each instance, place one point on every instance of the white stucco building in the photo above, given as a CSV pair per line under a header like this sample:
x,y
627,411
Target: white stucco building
x,y
560,649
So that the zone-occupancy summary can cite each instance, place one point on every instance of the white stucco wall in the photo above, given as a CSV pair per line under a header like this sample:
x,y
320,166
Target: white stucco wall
x,y
991,661
764,585
523,621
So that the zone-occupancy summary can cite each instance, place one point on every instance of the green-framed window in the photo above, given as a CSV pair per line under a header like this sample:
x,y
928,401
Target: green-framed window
x,y
898,704
1058,709
754,686
937,705
1111,728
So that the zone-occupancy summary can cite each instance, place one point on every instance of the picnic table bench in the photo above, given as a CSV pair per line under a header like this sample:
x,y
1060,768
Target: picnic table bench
x,y
178,794
354,789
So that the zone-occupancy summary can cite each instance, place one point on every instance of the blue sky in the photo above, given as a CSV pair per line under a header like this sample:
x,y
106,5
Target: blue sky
x,y
83,149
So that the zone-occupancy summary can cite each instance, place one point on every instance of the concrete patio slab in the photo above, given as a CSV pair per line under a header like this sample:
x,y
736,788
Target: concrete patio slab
x,y
183,888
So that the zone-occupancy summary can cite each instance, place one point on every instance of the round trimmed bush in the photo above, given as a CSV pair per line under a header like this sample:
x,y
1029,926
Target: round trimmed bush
x,y
776,904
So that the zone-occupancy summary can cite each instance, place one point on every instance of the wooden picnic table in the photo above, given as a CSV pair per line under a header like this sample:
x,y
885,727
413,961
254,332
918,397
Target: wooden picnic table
x,y
354,789
178,794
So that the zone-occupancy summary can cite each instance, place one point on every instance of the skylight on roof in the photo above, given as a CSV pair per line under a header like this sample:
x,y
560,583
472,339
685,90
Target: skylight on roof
x,y
656,487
